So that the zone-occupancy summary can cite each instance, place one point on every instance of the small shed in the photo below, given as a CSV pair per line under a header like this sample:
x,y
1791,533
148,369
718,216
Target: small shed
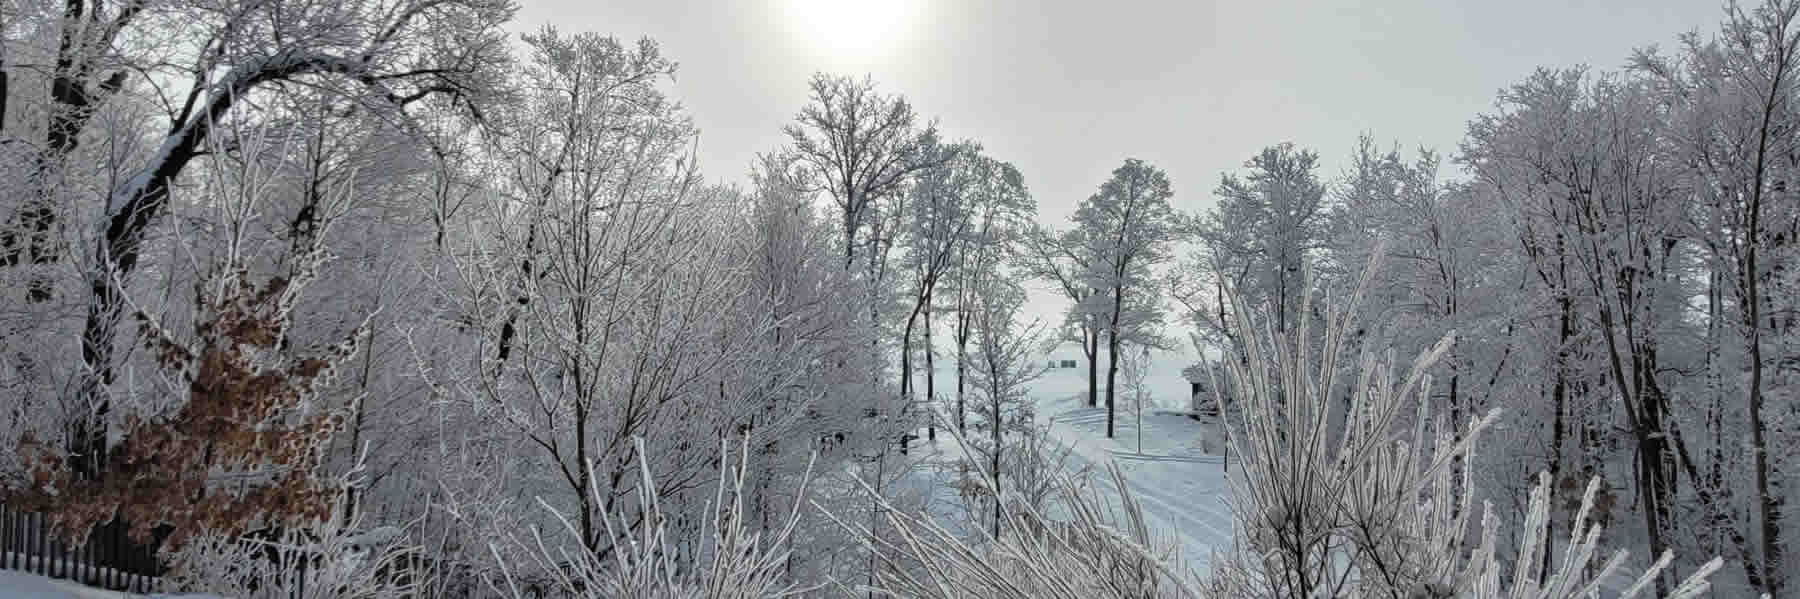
x,y
1200,396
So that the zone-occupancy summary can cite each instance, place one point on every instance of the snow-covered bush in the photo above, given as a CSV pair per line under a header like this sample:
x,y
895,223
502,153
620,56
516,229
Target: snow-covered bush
x,y
332,559
1361,496
730,558
335,555
1061,535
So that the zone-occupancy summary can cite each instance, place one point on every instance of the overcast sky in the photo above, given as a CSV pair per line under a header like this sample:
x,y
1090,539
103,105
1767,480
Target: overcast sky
x,y
1068,90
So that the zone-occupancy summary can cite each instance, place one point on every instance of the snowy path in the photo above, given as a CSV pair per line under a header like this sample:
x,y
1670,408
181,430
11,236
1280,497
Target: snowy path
x,y
1183,491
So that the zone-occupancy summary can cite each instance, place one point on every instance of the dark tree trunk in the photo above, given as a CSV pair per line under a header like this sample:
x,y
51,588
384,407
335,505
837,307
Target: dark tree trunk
x,y
962,357
994,395
1112,374
906,383
930,376
1559,400
1091,346
140,199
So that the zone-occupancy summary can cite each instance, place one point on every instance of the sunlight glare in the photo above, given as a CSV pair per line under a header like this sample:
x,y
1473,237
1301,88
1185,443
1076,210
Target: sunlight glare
x,y
850,28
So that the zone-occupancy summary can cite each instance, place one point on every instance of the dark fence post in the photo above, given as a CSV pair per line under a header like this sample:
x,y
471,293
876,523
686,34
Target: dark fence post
x,y
104,555
91,539
118,548
112,548
42,548
6,542
59,552
8,552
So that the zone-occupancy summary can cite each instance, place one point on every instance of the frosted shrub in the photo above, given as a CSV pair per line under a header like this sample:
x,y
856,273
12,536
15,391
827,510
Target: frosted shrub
x,y
730,560
1358,496
333,557
1060,536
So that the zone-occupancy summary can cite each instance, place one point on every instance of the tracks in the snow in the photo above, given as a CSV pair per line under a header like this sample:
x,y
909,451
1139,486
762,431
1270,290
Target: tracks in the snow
x,y
1160,479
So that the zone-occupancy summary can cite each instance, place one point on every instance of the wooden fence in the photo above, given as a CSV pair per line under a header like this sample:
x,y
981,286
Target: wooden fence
x,y
108,558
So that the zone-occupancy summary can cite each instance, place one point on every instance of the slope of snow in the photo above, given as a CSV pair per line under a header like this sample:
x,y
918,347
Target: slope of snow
x,y
1182,489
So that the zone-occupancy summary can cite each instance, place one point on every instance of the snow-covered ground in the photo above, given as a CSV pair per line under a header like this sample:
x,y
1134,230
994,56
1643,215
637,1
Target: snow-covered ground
x,y
1181,487
19,585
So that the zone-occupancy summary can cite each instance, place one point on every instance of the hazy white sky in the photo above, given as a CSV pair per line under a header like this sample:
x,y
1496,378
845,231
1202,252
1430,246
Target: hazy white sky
x,y
1068,90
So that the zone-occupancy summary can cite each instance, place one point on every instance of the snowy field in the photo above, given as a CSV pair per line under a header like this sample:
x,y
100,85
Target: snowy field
x,y
1181,487
19,585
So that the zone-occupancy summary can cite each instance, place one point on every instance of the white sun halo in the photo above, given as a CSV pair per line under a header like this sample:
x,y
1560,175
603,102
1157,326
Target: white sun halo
x,y
850,28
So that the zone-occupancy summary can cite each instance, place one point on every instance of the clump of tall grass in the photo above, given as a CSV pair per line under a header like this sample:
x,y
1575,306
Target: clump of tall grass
x,y
734,560
1362,495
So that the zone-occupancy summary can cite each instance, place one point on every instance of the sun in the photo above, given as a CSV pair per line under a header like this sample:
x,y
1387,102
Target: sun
x,y
850,28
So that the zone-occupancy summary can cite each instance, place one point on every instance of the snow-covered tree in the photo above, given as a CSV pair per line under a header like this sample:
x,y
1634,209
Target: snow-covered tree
x,y
1057,258
941,213
1127,228
612,299
1002,208
150,85
1266,224
235,411
1732,115
1136,370
1003,363
861,147
1584,161
812,388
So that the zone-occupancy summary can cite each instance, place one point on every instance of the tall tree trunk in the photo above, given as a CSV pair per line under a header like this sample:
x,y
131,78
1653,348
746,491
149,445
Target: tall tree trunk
x,y
994,396
906,382
1715,378
1091,346
1112,374
134,204
930,376
72,104
1559,394
1767,504
1644,412
962,361
1724,528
